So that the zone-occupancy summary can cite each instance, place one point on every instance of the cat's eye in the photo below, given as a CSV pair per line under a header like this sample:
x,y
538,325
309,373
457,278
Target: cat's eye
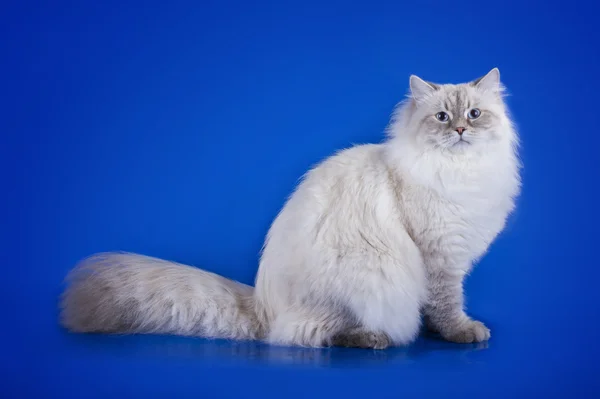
x,y
474,113
442,117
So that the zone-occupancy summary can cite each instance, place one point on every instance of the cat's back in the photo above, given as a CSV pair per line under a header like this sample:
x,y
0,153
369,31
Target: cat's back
x,y
354,177
349,192
350,166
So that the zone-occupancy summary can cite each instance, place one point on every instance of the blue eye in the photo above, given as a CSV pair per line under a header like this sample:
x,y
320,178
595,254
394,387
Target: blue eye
x,y
474,113
442,117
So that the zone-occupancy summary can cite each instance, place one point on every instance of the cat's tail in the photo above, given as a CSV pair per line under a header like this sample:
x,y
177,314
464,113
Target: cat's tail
x,y
129,293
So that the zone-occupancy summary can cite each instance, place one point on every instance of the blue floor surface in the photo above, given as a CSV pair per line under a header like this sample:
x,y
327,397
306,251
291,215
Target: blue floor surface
x,y
178,129
62,366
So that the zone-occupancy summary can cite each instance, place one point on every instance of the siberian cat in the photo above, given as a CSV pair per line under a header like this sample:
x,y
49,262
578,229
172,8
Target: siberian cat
x,y
373,238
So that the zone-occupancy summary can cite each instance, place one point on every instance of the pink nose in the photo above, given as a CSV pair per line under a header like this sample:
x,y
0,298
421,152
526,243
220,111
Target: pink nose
x,y
460,130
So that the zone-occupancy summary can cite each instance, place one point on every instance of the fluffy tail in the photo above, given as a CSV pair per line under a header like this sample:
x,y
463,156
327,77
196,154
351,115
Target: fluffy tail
x,y
129,293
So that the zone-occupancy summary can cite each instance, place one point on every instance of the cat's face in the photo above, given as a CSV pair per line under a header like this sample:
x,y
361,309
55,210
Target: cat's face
x,y
458,118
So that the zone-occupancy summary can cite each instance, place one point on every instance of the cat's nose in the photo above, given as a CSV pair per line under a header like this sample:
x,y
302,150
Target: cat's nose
x,y
460,130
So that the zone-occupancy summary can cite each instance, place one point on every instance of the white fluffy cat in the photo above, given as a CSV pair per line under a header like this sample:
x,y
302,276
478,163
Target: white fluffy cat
x,y
373,238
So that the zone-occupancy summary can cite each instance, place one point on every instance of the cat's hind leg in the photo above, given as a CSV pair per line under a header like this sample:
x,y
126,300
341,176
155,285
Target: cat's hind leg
x,y
360,337
388,294
315,328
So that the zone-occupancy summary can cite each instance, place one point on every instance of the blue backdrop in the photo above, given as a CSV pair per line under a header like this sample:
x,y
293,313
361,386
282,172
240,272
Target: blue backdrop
x,y
178,131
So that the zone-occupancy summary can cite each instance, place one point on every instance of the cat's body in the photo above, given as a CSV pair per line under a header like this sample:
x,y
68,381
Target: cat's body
x,y
372,238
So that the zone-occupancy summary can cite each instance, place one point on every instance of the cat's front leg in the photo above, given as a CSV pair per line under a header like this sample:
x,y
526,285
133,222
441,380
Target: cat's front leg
x,y
444,311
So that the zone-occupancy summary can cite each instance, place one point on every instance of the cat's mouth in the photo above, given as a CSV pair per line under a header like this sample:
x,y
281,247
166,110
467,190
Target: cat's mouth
x,y
462,142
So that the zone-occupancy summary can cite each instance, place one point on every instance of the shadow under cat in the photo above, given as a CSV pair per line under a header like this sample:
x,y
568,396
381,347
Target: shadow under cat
x,y
257,353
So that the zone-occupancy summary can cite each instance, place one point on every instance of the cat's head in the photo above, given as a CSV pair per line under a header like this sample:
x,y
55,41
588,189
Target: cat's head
x,y
456,118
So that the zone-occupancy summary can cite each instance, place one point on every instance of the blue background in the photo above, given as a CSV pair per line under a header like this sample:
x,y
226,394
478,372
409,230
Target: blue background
x,y
178,131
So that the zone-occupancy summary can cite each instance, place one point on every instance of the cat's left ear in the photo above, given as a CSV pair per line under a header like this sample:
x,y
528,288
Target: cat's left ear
x,y
489,82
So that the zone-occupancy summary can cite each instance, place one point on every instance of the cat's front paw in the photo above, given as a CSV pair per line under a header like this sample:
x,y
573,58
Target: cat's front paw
x,y
469,332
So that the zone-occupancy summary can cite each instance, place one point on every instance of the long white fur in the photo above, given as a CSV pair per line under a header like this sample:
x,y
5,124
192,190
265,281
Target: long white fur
x,y
371,237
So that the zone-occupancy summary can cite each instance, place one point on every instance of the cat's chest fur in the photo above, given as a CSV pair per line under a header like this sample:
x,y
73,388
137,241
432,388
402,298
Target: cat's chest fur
x,y
455,215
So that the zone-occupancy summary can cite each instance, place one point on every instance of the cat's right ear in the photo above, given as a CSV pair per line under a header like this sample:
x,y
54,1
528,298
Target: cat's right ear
x,y
421,89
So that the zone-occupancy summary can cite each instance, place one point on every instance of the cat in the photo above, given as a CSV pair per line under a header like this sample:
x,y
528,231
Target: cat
x,y
375,241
